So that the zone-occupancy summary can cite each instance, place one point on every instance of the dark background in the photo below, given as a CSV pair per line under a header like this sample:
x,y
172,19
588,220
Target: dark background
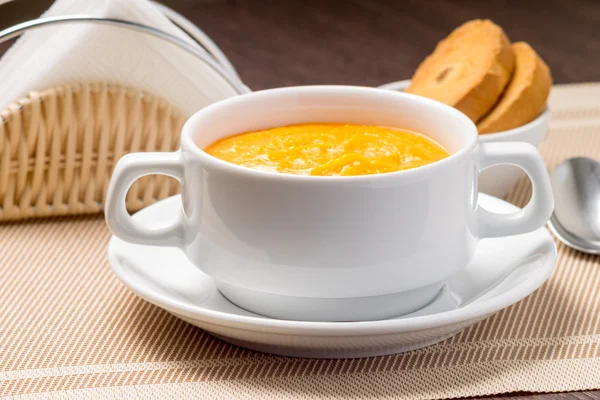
x,y
361,42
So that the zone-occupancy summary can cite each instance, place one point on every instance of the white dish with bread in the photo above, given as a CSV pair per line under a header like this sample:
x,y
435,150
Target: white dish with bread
x,y
500,179
503,88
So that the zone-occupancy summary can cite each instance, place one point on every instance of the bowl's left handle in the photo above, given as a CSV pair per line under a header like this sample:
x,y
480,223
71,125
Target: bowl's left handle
x,y
129,169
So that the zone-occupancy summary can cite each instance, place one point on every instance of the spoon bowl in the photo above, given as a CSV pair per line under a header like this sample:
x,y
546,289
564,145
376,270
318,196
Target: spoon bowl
x,y
576,217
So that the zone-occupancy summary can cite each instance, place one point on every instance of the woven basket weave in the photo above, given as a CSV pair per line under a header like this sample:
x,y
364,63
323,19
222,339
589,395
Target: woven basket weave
x,y
58,148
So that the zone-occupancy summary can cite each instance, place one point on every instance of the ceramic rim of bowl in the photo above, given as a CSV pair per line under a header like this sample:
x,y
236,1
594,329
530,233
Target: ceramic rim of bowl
x,y
187,141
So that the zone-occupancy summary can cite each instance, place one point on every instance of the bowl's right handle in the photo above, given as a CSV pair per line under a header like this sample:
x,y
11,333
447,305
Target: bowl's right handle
x,y
539,209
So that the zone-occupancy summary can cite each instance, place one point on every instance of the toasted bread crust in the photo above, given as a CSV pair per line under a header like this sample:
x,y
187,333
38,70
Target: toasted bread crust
x,y
468,70
526,94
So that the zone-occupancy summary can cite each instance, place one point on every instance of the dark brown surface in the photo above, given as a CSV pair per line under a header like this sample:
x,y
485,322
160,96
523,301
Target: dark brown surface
x,y
595,395
374,42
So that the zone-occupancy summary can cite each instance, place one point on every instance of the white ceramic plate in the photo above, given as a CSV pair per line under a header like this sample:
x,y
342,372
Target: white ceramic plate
x,y
504,271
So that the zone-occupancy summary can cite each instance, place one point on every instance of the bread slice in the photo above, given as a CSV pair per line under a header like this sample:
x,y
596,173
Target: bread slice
x,y
526,94
468,70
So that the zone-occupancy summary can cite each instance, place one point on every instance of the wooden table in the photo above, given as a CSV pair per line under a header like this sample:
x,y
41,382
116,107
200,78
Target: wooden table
x,y
373,42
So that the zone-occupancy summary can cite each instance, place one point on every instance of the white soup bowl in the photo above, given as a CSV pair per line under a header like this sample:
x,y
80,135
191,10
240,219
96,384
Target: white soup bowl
x,y
329,248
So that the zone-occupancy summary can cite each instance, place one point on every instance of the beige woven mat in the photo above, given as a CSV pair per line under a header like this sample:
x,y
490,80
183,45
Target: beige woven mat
x,y
69,328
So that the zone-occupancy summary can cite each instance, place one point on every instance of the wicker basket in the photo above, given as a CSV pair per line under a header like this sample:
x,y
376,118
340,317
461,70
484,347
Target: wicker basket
x,y
58,148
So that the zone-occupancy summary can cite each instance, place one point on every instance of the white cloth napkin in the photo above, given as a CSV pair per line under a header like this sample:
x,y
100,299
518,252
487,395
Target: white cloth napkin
x,y
89,52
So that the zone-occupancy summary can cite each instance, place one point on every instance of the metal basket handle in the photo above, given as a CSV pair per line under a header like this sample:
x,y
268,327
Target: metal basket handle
x,y
199,52
198,35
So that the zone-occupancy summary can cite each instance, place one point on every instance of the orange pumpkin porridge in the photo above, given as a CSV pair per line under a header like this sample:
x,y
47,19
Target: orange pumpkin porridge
x,y
329,149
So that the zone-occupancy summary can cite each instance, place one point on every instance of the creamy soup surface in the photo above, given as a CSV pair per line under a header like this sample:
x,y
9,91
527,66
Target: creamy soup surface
x,y
321,149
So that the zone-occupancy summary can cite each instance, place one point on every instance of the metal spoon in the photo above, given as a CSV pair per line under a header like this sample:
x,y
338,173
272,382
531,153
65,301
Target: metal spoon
x,y
576,217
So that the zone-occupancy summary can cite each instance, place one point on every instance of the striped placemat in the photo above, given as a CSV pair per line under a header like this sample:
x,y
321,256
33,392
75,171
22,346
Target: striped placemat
x,y
69,328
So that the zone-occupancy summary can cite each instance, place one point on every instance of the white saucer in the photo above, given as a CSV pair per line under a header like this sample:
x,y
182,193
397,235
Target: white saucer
x,y
504,271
